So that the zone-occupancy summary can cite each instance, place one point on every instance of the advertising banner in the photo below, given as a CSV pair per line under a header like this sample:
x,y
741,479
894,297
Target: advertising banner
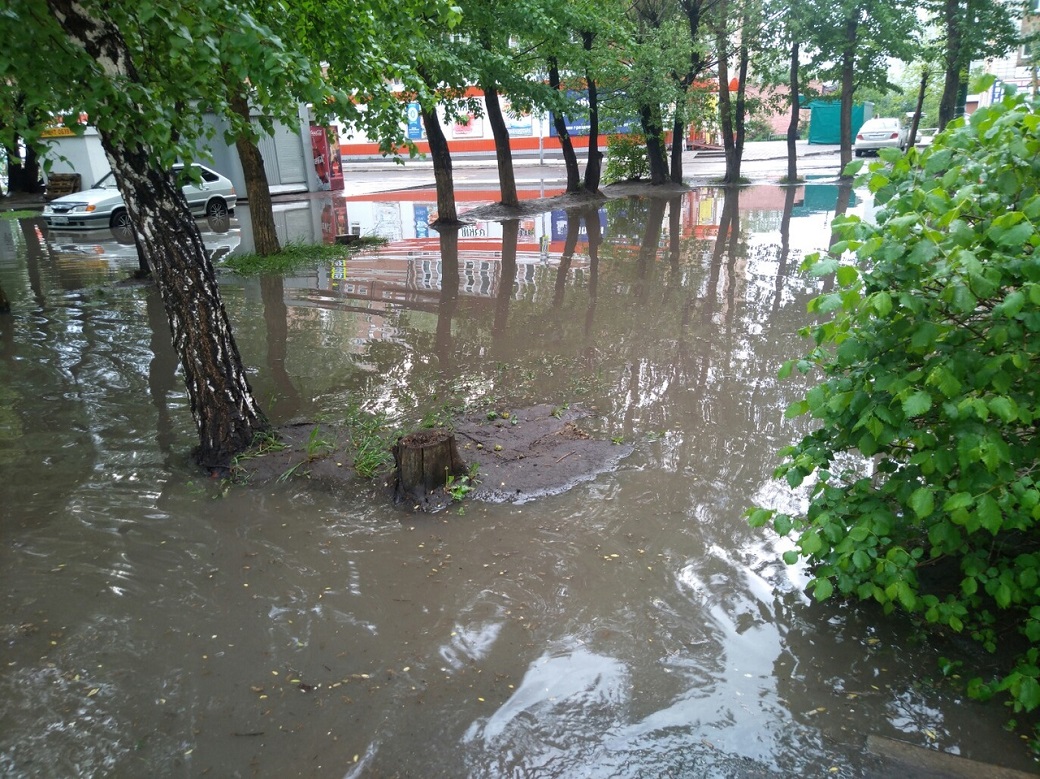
x,y
578,124
335,161
327,165
468,126
520,125
416,131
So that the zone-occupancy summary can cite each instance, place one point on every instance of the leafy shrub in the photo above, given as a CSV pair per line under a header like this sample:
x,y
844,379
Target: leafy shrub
x,y
924,469
758,130
626,158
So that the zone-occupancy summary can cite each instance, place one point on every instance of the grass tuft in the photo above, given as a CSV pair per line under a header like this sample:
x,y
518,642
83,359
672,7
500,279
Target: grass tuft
x,y
294,256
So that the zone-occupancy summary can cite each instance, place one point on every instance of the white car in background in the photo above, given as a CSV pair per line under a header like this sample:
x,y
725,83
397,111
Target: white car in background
x,y
926,136
880,133
102,205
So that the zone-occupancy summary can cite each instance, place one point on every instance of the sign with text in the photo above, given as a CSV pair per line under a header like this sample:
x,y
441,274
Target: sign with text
x,y
416,131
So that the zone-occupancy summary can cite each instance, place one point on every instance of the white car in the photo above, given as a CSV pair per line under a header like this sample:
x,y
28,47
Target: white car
x,y
102,205
880,133
926,136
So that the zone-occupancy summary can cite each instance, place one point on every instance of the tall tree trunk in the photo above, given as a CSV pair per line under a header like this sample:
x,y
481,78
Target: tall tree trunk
x,y
24,176
503,154
594,164
848,86
446,210
261,214
650,120
792,126
916,123
570,159
952,62
734,161
691,9
675,171
226,414
725,104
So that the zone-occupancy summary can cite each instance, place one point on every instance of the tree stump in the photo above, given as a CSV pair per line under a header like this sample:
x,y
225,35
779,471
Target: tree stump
x,y
424,460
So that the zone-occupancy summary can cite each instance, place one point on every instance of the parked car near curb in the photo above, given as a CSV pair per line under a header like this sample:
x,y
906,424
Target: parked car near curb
x,y
880,133
102,206
926,136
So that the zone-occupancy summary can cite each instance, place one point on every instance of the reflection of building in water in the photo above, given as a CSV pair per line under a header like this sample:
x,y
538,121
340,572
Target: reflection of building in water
x,y
406,273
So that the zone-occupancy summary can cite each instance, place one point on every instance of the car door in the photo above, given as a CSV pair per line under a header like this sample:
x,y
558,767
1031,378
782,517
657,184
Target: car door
x,y
196,193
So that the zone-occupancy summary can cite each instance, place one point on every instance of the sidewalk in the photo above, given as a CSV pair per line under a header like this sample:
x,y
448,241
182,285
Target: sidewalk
x,y
371,176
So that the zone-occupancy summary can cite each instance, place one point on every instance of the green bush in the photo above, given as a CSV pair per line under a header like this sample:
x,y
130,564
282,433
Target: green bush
x,y
923,491
626,158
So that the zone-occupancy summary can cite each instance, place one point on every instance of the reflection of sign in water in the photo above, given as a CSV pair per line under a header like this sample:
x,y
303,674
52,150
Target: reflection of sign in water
x,y
478,230
422,221
416,131
388,221
559,226
468,126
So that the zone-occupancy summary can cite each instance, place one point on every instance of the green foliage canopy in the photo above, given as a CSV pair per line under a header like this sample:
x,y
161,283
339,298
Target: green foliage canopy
x,y
183,55
925,467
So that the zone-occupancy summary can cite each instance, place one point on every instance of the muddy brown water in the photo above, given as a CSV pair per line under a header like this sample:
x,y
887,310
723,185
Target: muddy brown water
x,y
157,624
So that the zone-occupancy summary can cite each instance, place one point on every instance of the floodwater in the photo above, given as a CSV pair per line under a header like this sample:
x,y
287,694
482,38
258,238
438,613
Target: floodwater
x,y
155,623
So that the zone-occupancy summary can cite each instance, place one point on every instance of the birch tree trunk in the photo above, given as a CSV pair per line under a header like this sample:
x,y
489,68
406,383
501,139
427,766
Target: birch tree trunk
x,y
226,414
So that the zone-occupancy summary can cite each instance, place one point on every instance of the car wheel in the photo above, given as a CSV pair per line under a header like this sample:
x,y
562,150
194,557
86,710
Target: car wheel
x,y
120,221
859,152
216,209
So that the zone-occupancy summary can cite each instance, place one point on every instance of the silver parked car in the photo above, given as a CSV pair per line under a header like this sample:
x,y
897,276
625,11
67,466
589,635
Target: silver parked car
x,y
926,136
880,133
102,205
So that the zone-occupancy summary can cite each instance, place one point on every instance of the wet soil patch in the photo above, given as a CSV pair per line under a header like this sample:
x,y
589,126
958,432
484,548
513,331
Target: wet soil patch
x,y
542,450
519,455
496,212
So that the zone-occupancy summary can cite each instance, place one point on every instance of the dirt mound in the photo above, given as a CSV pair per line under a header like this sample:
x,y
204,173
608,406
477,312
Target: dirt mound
x,y
536,451
519,455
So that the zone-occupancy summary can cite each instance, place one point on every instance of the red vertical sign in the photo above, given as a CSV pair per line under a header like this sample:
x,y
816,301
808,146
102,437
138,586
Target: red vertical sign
x,y
327,163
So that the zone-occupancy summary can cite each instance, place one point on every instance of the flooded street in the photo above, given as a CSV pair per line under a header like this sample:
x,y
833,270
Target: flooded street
x,y
155,623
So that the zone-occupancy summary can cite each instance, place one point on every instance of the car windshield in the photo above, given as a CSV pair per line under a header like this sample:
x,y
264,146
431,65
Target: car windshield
x,y
108,181
194,174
